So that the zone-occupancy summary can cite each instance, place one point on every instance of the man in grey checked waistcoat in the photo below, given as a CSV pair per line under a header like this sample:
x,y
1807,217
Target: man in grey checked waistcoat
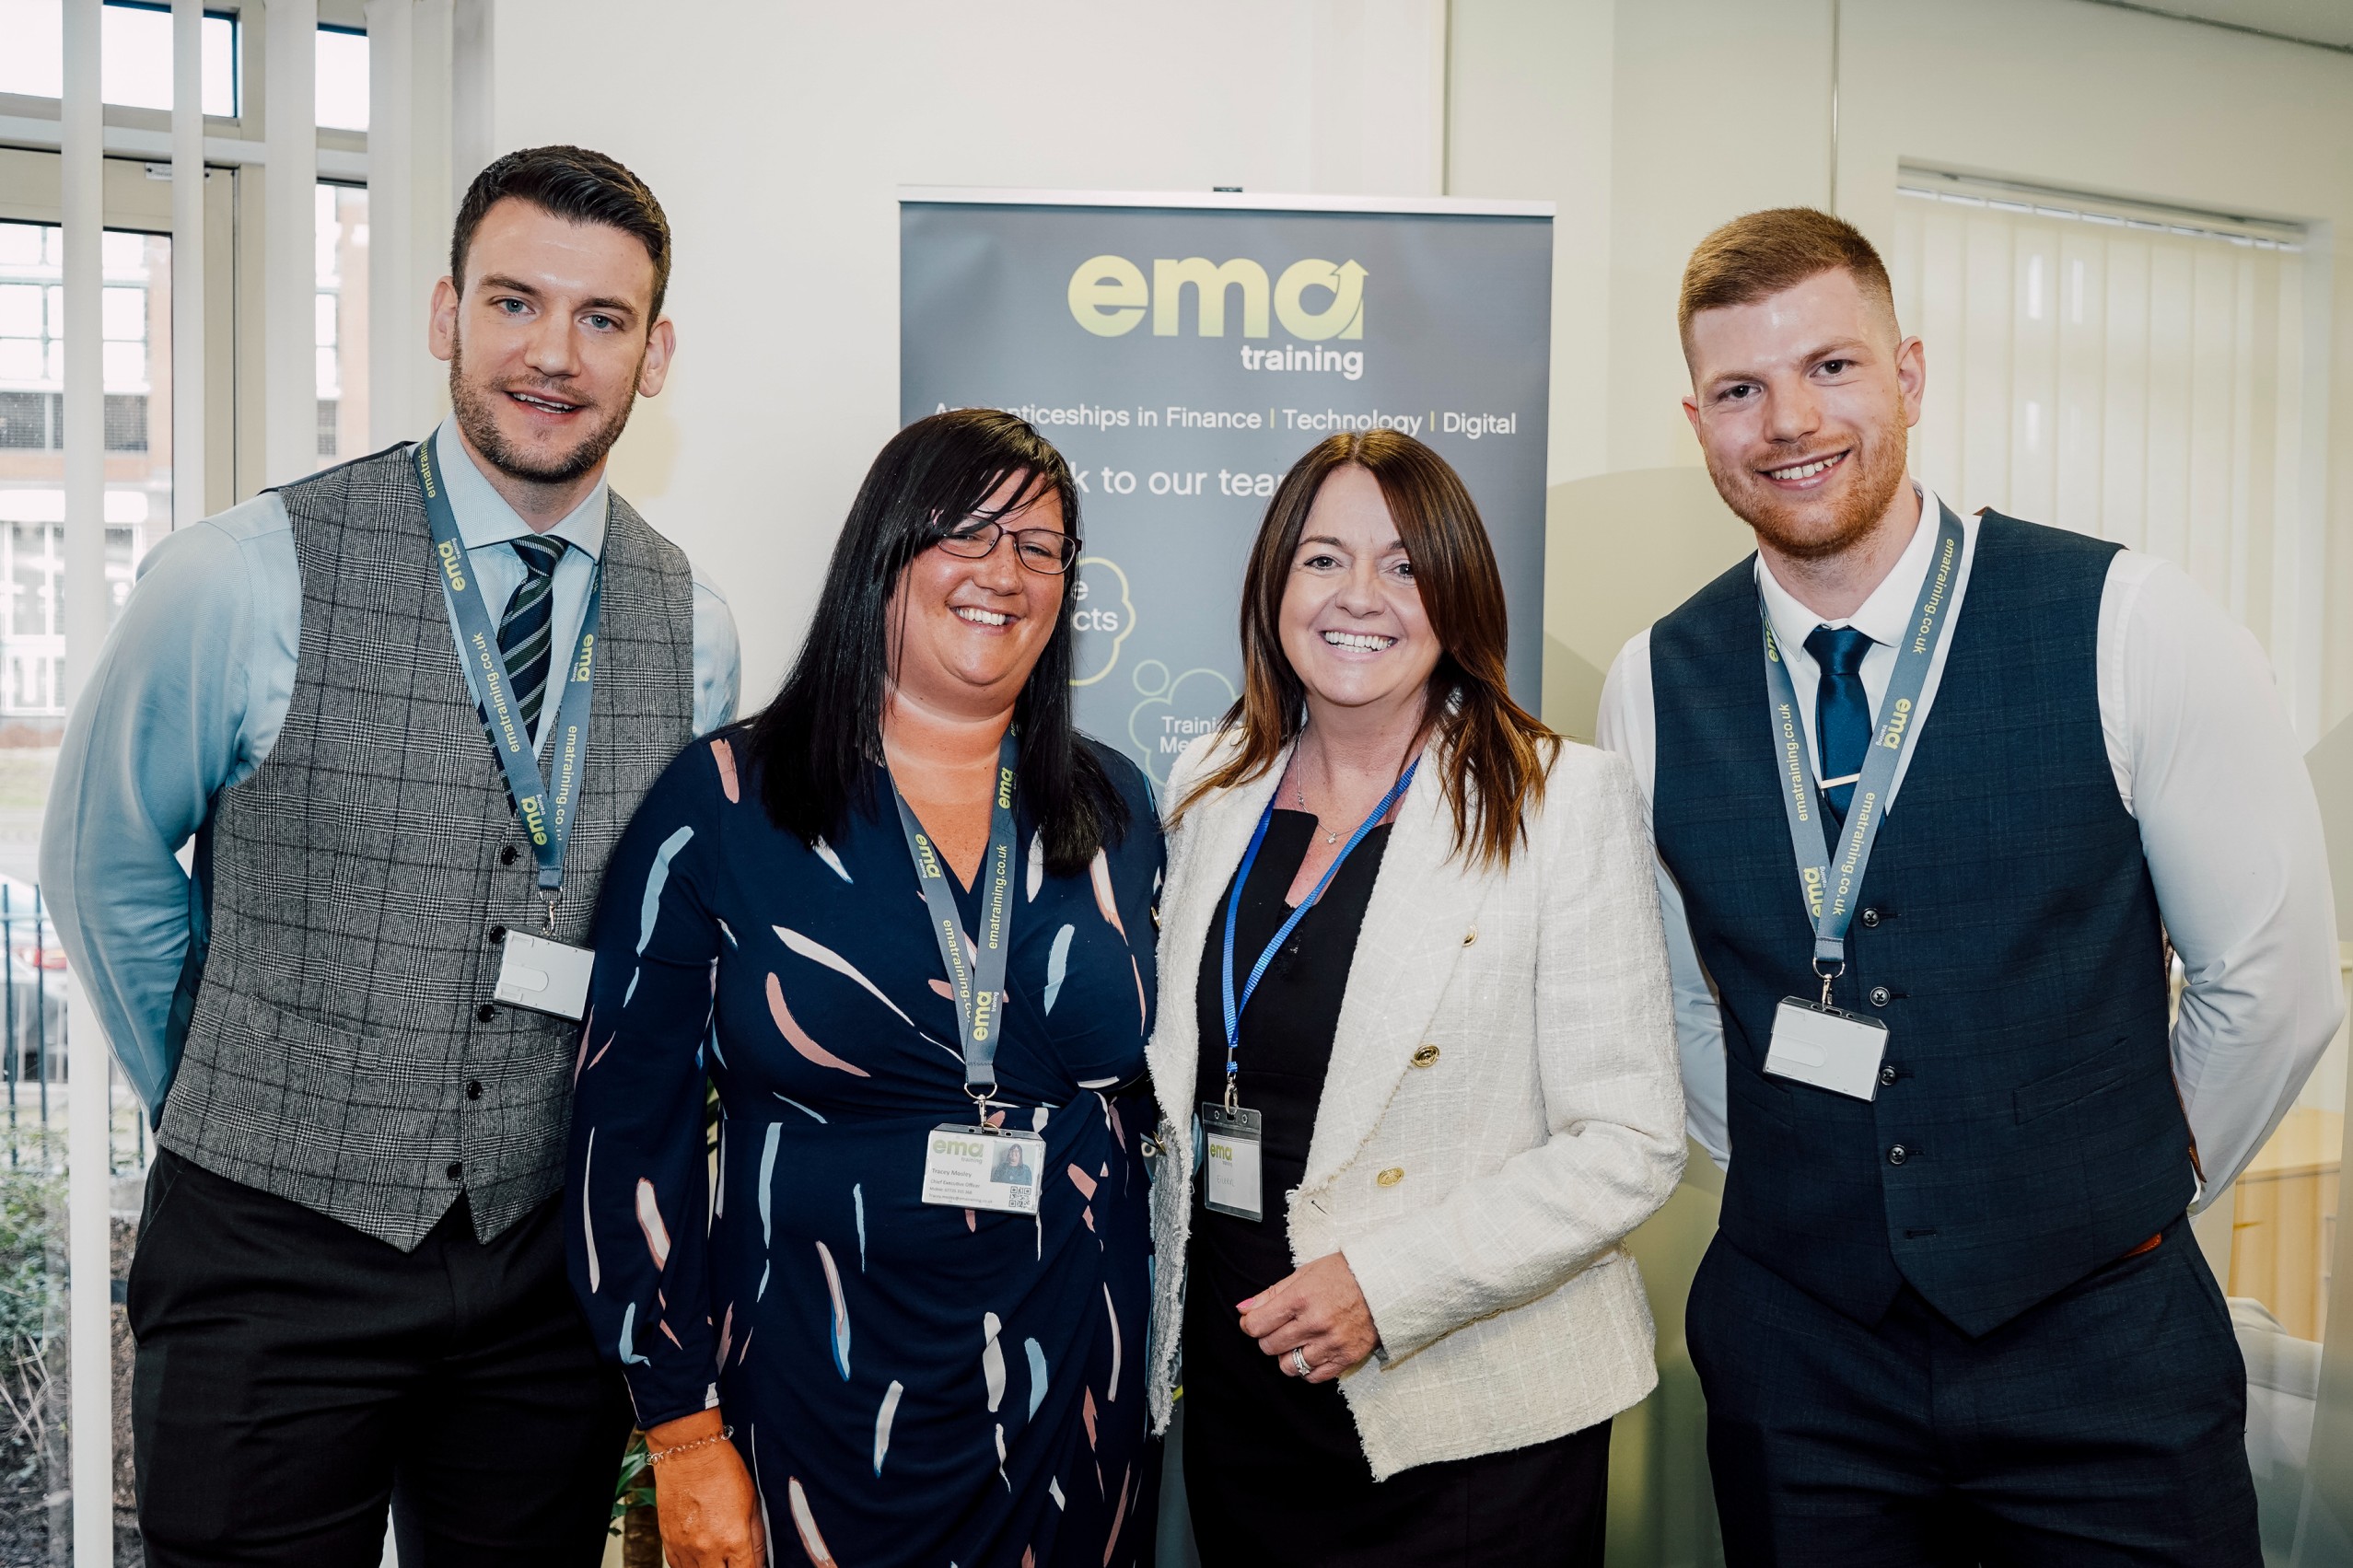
x,y
349,1289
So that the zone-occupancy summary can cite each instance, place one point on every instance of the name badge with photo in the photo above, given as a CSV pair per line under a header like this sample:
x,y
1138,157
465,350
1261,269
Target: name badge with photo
x,y
1827,1048
983,1167
546,977
1230,1174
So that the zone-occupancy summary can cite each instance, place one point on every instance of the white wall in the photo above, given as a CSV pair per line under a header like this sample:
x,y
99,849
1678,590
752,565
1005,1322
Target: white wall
x,y
777,136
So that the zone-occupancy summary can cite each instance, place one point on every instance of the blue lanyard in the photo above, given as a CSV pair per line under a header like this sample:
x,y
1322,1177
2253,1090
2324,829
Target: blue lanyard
x,y
1233,908
545,806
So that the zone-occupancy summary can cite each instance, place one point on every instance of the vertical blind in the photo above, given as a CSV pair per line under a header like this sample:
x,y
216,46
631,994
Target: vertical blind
x,y
2133,375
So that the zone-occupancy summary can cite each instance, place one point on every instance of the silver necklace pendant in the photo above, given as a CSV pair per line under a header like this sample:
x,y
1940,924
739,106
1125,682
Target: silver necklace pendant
x,y
1298,792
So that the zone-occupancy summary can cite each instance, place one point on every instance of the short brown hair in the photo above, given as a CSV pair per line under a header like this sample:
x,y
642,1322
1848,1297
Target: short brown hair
x,y
576,185
1496,752
1757,256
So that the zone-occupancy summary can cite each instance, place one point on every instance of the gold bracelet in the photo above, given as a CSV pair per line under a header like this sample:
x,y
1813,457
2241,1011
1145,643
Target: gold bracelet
x,y
656,1456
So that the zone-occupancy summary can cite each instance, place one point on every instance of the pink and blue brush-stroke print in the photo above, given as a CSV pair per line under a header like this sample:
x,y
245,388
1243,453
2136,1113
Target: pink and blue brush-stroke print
x,y
909,1384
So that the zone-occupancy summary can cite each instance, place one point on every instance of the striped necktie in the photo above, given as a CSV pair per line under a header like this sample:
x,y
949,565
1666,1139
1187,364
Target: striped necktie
x,y
523,634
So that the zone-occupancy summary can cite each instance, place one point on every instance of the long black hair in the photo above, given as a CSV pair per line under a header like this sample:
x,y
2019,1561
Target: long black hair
x,y
816,747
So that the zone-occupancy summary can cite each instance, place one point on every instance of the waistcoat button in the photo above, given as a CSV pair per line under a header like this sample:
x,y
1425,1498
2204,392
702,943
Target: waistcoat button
x,y
498,934
1898,1154
1425,1056
1869,918
457,1169
473,1089
506,855
1887,1075
1881,996
1391,1177
485,1012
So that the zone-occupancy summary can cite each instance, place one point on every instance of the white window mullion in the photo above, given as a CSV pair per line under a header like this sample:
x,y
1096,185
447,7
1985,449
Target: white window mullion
x,y
289,241
89,1198
187,262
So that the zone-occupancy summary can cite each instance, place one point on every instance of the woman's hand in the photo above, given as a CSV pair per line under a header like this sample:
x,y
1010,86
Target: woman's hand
x,y
708,1508
1317,1310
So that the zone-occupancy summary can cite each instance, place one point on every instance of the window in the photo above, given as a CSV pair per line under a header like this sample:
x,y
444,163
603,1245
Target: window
x,y
135,320
135,60
340,323
2135,377
134,365
342,79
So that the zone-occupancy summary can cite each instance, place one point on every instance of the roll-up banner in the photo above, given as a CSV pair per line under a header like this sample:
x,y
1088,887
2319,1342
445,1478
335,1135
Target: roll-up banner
x,y
1183,352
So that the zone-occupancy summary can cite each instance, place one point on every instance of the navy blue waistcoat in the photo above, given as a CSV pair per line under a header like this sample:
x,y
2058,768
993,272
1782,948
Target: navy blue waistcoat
x,y
2008,936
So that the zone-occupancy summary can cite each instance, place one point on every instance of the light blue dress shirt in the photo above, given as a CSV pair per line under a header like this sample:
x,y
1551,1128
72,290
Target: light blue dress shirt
x,y
187,698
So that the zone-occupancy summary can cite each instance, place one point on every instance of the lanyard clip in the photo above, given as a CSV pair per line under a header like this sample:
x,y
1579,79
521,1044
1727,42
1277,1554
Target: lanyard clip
x,y
1827,976
554,894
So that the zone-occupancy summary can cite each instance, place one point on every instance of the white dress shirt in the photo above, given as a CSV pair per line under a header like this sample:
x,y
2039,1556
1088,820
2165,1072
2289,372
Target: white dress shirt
x,y
2206,762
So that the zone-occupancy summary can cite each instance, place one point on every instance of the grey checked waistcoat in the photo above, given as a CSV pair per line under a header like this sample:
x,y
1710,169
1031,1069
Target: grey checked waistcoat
x,y
342,1052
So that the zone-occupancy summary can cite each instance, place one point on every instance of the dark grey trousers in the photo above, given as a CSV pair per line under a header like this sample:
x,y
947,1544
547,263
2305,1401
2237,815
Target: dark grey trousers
x,y
295,1378
2105,1426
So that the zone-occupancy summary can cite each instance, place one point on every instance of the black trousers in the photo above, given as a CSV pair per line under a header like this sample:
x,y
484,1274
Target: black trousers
x,y
1542,1506
295,1376
2105,1426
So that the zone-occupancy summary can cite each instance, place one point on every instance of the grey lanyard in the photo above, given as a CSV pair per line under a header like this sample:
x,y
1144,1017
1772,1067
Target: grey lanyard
x,y
544,804
1831,885
978,986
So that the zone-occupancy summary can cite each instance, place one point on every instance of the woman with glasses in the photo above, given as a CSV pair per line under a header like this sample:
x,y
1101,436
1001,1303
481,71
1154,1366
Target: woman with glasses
x,y
902,920
1423,1074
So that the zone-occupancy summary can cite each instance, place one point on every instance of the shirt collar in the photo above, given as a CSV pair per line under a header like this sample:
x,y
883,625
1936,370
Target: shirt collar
x,y
1883,616
484,516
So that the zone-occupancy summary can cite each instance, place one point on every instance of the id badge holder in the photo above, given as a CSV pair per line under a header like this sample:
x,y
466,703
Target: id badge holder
x,y
983,1167
1230,1172
1826,1047
544,976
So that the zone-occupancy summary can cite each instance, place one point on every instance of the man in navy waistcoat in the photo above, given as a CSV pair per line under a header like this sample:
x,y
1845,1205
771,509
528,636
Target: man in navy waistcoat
x,y
1932,794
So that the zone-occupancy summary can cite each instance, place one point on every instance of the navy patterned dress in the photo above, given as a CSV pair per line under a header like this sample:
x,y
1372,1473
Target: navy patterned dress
x,y
909,1384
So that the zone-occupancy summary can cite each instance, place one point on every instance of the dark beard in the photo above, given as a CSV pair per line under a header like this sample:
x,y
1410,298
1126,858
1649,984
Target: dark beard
x,y
1874,490
476,418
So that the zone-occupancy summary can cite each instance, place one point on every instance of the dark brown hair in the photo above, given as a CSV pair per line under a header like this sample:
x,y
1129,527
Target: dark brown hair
x,y
574,184
1495,753
1757,256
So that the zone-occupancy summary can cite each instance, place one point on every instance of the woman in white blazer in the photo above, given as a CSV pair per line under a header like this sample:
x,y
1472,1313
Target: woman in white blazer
x,y
1390,1222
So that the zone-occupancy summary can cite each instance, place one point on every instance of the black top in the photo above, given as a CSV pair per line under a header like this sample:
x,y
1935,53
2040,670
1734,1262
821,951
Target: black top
x,y
1231,1387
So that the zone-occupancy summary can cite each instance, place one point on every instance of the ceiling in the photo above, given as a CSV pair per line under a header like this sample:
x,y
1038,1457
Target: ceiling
x,y
2328,22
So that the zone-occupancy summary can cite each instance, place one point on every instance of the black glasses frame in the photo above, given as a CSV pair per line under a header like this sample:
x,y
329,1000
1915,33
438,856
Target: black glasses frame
x,y
985,536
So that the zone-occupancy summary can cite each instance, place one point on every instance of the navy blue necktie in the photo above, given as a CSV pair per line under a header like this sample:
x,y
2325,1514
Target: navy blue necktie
x,y
1842,711
523,632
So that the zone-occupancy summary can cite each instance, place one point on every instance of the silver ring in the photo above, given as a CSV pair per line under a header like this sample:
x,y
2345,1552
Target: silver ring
x,y
1298,1360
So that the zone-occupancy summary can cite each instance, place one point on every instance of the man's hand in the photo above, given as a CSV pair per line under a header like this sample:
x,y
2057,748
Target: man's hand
x,y
1317,1310
707,1506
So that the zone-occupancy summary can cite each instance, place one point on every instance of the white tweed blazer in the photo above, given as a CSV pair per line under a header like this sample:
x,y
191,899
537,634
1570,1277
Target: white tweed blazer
x,y
1503,1105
